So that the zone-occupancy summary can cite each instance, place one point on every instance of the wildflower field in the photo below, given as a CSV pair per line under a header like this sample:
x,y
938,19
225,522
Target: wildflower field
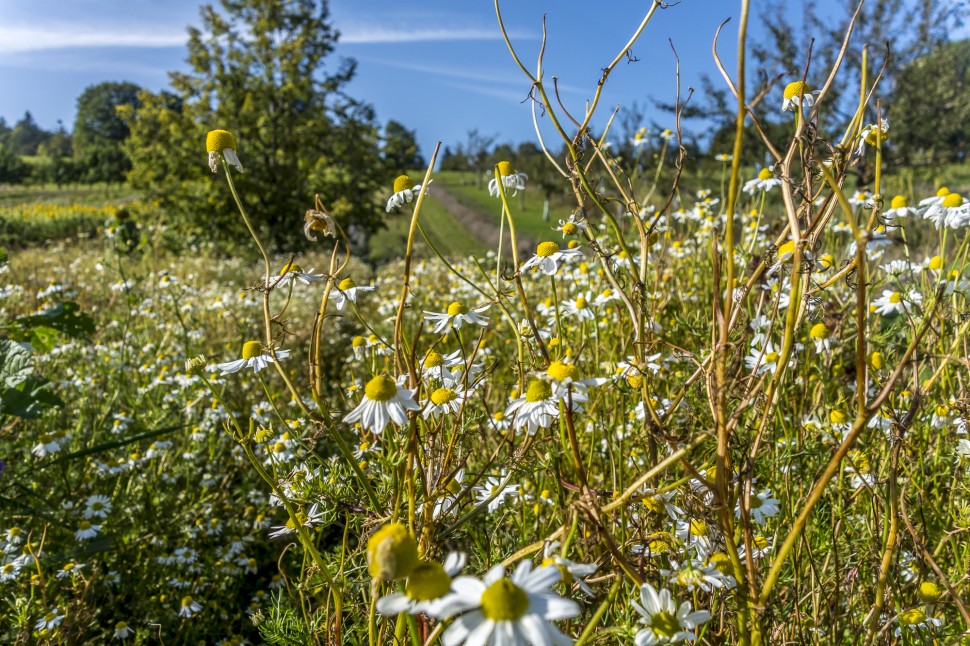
x,y
734,412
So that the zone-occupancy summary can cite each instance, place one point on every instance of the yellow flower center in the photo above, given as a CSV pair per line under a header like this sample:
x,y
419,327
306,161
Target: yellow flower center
x,y
943,192
798,88
68,567
698,528
358,342
499,416
538,391
572,244
760,542
287,268
121,625
403,183
433,359
49,616
505,168
442,396
546,249
837,417
664,623
876,360
929,591
895,297
570,229
819,331
347,283
721,561
561,371
952,201
218,140
900,202
771,357
84,524
380,389
581,303
653,504
936,262
635,380
427,581
765,173
392,552
912,617
186,601
504,601
251,349
456,309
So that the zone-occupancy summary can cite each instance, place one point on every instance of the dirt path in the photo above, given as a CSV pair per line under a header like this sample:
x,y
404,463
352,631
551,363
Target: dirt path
x,y
479,224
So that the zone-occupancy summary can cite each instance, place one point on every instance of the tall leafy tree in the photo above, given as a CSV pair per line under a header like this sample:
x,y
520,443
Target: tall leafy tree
x,y
400,148
100,131
26,136
261,69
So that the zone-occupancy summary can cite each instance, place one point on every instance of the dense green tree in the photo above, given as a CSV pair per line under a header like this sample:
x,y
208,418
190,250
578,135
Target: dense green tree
x,y
13,170
259,70
400,148
100,132
26,136
931,113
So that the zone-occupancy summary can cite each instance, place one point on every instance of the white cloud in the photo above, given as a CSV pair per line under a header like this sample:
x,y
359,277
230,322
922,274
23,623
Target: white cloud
x,y
15,39
355,34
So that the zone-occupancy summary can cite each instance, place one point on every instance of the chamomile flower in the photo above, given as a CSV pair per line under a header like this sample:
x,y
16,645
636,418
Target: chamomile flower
x,y
511,181
347,290
189,607
292,273
318,221
694,574
405,190
666,622
456,315
579,307
428,584
797,93
762,506
549,257
573,226
640,138
384,401
309,518
570,570
443,401
893,302
536,409
494,491
123,630
220,144
50,620
85,530
69,569
820,334
873,135
97,506
46,445
252,357
952,212
765,181
761,360
916,619
438,366
502,610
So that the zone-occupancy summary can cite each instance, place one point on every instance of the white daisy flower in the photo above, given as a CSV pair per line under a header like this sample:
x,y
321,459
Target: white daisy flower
x,y
50,620
579,307
952,212
494,491
443,401
573,226
384,401
97,506
765,181
252,357
548,258
221,144
666,622
309,518
893,302
761,360
46,445
123,630
511,181
427,587
292,273
536,409
693,574
85,530
438,366
189,607
762,506
500,611
821,335
797,93
347,290
69,569
570,570
898,208
873,135
453,318
405,190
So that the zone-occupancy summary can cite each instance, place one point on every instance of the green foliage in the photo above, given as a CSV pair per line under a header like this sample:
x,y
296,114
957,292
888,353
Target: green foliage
x,y
931,106
12,169
26,136
259,70
100,131
400,148
23,393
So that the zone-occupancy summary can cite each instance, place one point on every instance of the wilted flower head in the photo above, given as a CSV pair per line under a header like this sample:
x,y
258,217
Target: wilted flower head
x,y
221,143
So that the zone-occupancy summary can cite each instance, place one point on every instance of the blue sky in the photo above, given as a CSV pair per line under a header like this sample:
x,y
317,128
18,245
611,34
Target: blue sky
x,y
438,66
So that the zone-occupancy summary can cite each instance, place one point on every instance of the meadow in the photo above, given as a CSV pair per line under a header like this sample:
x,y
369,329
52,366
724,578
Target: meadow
x,y
725,406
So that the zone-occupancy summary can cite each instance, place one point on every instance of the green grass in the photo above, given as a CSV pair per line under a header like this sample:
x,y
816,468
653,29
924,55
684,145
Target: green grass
x,y
85,194
526,206
447,234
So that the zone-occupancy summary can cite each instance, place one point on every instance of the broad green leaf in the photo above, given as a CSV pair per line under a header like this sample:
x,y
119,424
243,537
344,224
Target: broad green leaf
x,y
64,317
